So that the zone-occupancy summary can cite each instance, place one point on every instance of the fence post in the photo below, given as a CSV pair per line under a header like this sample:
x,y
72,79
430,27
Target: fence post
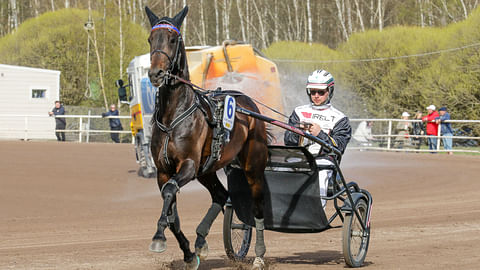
x,y
88,126
389,133
80,124
438,138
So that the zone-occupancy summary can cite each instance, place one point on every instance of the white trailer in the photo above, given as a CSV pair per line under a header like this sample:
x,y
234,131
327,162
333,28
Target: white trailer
x,y
28,94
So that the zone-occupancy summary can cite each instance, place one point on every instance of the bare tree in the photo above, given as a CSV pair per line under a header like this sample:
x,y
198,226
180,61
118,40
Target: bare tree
x,y
341,18
262,29
242,24
373,14
14,16
380,17
445,7
94,41
422,17
348,7
465,13
247,12
309,19
120,37
217,31
226,18
53,5
289,34
36,7
359,16
297,20
202,24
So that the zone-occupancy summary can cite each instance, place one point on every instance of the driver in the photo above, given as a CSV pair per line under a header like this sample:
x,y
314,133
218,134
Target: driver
x,y
322,120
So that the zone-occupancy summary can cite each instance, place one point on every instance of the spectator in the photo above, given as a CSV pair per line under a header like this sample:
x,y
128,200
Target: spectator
x,y
363,133
418,129
60,122
115,123
446,128
432,127
403,130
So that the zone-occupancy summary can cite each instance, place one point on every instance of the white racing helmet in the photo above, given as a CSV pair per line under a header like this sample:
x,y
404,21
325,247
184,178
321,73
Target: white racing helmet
x,y
321,79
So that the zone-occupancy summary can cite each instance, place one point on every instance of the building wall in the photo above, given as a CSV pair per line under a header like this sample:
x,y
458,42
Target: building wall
x,y
27,91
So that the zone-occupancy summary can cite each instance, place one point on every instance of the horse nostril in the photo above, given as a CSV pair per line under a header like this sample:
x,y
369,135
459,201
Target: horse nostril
x,y
156,73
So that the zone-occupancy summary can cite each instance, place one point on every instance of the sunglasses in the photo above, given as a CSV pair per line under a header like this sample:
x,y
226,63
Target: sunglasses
x,y
320,92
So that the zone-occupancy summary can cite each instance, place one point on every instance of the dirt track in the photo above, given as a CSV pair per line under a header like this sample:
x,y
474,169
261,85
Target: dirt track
x,y
82,206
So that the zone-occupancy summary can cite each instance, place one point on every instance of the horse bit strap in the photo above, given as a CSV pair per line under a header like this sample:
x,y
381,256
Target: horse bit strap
x,y
175,122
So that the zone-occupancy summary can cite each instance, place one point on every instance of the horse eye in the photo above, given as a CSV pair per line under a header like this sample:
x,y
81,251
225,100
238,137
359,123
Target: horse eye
x,y
172,41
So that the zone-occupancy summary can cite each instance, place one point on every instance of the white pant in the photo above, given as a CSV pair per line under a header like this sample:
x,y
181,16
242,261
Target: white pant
x,y
323,176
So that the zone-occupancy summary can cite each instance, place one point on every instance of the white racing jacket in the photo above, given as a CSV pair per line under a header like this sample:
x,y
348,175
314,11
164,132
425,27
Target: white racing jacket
x,y
336,128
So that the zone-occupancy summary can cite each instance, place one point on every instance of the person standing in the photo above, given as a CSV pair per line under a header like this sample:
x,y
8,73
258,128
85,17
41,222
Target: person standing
x,y
321,120
445,129
418,129
60,122
403,130
432,127
115,123
363,133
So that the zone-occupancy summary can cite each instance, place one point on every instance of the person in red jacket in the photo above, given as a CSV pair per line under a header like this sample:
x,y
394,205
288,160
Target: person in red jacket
x,y
432,126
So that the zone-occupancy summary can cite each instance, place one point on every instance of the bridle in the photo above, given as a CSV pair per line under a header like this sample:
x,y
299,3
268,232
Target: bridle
x,y
175,62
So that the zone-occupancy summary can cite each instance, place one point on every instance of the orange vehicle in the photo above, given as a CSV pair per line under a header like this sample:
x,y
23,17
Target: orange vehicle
x,y
231,66
237,66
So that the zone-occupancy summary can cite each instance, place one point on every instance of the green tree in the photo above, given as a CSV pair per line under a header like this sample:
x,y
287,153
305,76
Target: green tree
x,y
57,40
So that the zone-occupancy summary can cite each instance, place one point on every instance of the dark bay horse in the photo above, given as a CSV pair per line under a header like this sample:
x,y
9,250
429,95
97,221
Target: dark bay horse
x,y
182,138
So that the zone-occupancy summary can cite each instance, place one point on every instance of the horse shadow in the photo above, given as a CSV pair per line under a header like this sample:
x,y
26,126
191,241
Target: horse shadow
x,y
320,257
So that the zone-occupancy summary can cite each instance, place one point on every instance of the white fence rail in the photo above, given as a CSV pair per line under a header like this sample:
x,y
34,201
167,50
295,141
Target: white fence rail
x,y
83,128
385,134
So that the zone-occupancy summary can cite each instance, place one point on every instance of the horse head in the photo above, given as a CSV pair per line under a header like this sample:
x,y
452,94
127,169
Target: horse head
x,y
167,50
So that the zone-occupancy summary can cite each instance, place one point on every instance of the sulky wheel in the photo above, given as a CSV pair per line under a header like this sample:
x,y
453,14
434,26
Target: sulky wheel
x,y
355,239
236,235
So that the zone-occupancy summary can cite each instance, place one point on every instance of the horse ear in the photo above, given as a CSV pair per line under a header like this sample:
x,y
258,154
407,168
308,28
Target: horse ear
x,y
151,17
178,19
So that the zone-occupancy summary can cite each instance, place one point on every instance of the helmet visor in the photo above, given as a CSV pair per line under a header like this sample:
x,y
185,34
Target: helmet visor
x,y
317,86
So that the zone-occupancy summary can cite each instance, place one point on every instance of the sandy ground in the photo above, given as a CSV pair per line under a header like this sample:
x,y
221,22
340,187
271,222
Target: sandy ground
x,y
82,206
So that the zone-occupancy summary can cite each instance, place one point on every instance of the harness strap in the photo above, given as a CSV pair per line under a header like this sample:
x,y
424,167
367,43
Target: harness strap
x,y
173,124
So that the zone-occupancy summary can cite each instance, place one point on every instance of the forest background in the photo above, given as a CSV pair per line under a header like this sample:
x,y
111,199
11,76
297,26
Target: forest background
x,y
387,56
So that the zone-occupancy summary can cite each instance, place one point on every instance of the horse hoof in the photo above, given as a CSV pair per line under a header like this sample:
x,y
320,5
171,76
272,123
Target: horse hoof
x,y
158,246
202,252
193,265
258,264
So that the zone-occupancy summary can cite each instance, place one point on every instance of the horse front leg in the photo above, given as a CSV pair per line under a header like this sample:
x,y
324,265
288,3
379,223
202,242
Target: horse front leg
x,y
169,216
168,191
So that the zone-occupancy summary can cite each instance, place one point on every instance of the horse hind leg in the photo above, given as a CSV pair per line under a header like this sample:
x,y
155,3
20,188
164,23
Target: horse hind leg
x,y
254,166
219,197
